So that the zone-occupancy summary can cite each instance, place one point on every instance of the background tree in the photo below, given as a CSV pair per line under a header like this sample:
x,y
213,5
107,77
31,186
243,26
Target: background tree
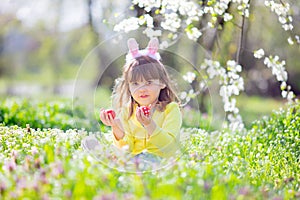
x,y
225,29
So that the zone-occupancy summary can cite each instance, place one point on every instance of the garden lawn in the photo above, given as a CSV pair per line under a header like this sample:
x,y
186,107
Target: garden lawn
x,y
260,163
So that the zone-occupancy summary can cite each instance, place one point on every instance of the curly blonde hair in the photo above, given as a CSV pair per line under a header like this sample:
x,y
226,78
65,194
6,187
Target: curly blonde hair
x,y
147,68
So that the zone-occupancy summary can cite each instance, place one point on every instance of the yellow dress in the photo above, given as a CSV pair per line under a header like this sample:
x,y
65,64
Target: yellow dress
x,y
163,142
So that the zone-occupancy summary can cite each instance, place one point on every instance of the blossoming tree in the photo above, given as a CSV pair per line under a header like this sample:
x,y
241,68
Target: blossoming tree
x,y
203,19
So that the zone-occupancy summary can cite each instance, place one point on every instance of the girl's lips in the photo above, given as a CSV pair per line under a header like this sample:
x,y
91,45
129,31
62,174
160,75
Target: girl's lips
x,y
144,96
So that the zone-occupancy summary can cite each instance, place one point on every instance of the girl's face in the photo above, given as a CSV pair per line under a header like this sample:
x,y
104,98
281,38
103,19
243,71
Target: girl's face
x,y
145,92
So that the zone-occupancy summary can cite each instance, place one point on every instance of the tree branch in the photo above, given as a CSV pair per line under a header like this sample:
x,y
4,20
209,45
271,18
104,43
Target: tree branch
x,y
241,41
241,38
282,2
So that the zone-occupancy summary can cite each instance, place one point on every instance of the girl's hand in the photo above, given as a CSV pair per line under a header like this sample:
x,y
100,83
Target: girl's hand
x,y
108,118
144,118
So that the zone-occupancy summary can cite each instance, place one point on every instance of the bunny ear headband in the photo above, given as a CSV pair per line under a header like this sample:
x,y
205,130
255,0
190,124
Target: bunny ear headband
x,y
150,51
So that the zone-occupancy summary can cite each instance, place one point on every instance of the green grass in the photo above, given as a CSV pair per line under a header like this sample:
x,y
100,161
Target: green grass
x,y
251,109
45,114
261,163
254,107
102,97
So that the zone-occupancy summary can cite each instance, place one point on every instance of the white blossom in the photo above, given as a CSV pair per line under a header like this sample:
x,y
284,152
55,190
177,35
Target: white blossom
x,y
183,95
163,45
147,4
172,5
290,96
227,17
233,66
223,91
211,25
259,53
290,41
277,67
283,85
152,33
176,14
212,72
236,123
234,89
188,96
189,8
202,85
193,33
282,19
282,11
230,106
284,93
172,22
232,75
297,39
128,25
189,77
149,21
287,27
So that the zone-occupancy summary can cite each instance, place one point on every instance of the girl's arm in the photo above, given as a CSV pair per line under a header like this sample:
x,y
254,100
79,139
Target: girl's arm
x,y
120,139
118,132
146,121
116,124
166,138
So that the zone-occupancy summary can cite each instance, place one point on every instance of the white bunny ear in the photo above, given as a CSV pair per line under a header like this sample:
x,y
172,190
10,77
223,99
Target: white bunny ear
x,y
133,46
134,51
153,46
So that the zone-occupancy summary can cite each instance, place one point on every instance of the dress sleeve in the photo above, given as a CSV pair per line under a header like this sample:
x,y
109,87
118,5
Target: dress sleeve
x,y
128,138
166,138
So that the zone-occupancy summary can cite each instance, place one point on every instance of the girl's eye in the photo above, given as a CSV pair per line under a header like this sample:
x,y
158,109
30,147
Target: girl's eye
x,y
149,82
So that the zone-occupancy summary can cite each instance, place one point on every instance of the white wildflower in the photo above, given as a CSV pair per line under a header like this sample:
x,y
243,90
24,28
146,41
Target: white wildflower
x,y
25,145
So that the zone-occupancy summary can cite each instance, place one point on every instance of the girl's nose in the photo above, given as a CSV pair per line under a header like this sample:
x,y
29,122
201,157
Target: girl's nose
x,y
142,88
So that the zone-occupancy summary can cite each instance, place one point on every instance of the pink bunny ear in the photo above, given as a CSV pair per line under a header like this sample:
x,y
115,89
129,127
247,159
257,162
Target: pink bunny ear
x,y
133,46
153,46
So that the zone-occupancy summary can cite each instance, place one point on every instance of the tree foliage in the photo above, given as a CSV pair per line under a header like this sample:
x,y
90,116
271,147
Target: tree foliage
x,y
221,27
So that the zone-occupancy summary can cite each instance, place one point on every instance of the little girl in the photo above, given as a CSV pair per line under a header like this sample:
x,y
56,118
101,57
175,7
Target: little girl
x,y
145,82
